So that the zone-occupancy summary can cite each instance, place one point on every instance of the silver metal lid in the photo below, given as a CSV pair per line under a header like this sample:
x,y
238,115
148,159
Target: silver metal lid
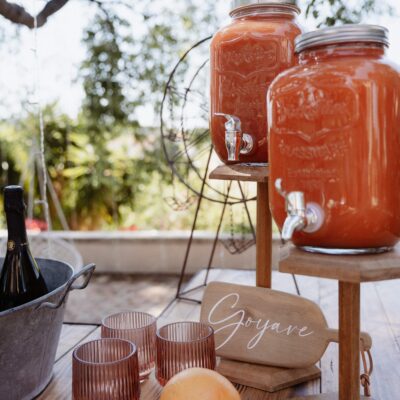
x,y
342,34
236,4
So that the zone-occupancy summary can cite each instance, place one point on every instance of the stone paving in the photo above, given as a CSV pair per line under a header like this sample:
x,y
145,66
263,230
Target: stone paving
x,y
110,293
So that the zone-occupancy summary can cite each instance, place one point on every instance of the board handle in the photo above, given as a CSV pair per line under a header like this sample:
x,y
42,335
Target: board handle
x,y
333,336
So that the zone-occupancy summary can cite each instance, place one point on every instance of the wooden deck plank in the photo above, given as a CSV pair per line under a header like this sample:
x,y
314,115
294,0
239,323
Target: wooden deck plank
x,y
388,294
72,334
151,389
379,317
324,292
60,387
328,301
385,349
281,281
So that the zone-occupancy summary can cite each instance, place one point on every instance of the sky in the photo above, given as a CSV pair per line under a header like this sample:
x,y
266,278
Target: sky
x,y
60,51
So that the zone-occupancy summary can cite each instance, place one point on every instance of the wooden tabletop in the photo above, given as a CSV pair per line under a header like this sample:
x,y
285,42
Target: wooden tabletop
x,y
241,172
380,318
349,268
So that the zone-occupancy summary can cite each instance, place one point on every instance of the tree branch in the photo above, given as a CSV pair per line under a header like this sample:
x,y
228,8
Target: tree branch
x,y
17,14
49,9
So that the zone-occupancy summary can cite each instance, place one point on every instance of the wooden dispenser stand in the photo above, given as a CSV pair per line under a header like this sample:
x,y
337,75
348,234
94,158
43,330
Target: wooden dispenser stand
x,y
350,272
258,174
265,378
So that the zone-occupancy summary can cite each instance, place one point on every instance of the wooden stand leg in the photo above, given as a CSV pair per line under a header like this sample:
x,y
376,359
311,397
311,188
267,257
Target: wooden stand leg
x,y
263,237
349,341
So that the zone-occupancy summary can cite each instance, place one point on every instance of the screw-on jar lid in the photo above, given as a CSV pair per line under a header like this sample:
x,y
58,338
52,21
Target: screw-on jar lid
x,y
236,4
342,34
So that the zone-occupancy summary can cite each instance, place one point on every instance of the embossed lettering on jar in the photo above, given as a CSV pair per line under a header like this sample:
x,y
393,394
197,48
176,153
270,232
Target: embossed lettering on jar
x,y
246,56
334,137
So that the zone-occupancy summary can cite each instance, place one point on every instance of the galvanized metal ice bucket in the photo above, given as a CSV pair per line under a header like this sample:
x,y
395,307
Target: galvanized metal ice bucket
x,y
29,334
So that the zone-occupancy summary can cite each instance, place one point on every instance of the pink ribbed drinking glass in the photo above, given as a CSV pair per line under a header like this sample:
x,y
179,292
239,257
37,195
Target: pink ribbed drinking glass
x,y
105,369
138,327
184,345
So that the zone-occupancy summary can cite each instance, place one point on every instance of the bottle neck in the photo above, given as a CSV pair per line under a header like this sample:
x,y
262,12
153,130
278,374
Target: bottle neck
x,y
16,227
365,50
265,11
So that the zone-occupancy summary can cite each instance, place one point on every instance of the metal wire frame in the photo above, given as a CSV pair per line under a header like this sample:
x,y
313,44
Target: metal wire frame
x,y
225,199
185,151
182,295
231,244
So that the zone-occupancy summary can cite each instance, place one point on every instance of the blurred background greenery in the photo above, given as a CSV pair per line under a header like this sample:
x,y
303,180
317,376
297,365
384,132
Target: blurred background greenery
x,y
109,171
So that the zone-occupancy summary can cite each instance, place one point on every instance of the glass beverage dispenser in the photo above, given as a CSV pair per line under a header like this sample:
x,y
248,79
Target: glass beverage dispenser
x,y
334,143
246,56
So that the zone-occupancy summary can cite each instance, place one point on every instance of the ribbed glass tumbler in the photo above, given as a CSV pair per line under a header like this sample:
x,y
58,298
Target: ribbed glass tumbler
x,y
138,327
105,369
184,345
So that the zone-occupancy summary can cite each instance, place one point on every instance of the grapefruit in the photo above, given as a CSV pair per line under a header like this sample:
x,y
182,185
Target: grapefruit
x,y
199,384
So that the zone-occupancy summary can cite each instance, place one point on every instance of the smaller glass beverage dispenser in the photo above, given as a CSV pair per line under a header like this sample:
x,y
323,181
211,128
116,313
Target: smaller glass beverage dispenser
x,y
246,56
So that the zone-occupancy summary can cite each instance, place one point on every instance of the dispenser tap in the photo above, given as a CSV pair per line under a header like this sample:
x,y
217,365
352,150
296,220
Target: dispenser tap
x,y
236,141
300,216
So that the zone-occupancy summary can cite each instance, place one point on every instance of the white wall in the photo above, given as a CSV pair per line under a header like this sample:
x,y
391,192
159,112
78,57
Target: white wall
x,y
153,252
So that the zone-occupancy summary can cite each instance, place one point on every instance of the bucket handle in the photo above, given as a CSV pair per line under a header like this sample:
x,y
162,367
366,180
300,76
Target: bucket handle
x,y
86,271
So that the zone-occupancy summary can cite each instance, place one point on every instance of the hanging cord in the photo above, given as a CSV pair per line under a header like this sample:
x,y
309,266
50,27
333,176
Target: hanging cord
x,y
42,174
43,181
365,377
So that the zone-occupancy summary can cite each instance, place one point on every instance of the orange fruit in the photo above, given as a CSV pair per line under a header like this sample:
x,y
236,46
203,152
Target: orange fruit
x,y
199,384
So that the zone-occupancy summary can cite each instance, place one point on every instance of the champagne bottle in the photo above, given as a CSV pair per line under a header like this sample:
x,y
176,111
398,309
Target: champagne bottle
x,y
20,277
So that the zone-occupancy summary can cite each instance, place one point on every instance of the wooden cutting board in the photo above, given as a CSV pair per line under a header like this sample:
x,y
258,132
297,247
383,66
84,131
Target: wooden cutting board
x,y
268,327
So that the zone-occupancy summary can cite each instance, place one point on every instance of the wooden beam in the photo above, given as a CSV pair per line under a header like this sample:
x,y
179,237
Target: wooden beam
x,y
349,341
263,237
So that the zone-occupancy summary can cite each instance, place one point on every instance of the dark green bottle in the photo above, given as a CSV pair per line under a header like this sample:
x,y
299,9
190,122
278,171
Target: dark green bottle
x,y
20,277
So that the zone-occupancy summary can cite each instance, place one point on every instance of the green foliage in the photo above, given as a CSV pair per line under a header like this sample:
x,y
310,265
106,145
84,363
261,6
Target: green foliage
x,y
111,160
95,192
105,72
11,154
336,12
170,28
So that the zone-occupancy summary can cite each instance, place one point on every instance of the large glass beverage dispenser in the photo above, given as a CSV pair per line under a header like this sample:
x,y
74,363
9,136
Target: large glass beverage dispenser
x,y
334,143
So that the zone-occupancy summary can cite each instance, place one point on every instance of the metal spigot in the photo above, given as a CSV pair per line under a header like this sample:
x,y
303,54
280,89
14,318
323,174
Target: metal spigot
x,y
236,141
301,216
296,219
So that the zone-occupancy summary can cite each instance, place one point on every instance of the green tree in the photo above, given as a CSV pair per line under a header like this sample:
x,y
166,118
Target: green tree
x,y
334,12
106,72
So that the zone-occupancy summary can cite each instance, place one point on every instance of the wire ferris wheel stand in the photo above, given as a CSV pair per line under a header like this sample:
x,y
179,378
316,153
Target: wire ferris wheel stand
x,y
182,295
176,101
